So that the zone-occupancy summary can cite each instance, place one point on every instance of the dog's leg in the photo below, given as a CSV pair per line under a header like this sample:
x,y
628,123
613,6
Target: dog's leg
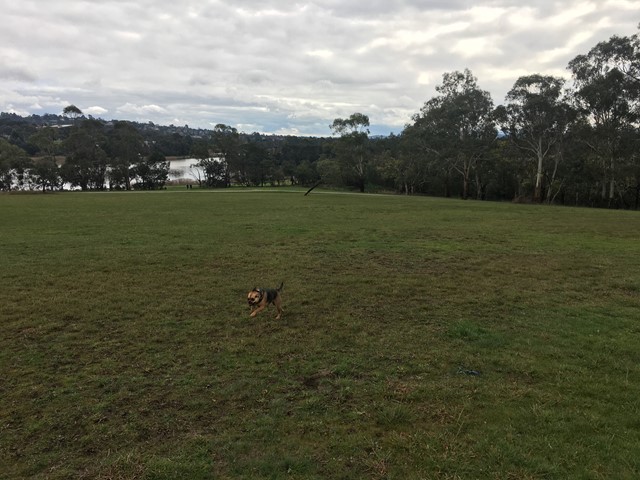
x,y
258,310
278,304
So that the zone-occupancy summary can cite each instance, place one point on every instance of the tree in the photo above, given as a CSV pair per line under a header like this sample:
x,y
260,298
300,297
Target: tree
x,y
13,165
329,171
214,170
86,162
226,145
622,54
257,162
457,125
45,173
152,172
126,148
404,164
607,84
45,170
45,139
351,149
306,173
536,120
72,112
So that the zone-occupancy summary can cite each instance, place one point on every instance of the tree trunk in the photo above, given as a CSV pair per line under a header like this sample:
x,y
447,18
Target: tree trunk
x,y
612,185
466,167
537,194
478,185
361,173
550,195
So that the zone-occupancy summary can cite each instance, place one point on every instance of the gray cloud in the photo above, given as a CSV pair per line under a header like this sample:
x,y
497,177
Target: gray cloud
x,y
283,67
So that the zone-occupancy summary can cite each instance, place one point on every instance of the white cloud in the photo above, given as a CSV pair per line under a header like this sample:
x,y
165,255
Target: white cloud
x,y
554,55
569,16
140,109
479,46
95,111
630,5
425,78
486,13
321,53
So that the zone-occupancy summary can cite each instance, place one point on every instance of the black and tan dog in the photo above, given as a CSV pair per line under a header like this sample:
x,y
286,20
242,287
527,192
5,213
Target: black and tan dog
x,y
259,298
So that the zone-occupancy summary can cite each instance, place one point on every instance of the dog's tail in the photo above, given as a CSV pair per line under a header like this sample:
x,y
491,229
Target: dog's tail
x,y
280,287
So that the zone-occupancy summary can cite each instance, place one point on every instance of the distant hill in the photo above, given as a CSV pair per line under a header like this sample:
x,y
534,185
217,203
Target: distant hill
x,y
172,140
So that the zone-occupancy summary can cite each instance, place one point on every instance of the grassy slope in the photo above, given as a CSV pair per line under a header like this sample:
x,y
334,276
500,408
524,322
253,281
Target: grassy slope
x,y
127,351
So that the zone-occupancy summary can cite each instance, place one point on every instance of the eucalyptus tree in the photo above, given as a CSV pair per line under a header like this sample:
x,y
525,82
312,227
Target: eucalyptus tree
x,y
151,172
85,165
126,149
45,170
258,165
210,171
46,140
606,93
352,147
227,149
458,125
536,119
623,53
410,168
14,164
395,160
45,173
72,112
328,169
305,173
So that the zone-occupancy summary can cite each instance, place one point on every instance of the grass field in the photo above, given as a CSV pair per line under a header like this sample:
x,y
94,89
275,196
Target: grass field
x,y
422,338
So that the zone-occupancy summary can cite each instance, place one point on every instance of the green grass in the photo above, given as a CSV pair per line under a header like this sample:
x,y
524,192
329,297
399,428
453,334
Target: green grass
x,y
422,338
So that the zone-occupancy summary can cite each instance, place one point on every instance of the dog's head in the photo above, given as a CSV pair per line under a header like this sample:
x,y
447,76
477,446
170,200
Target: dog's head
x,y
254,296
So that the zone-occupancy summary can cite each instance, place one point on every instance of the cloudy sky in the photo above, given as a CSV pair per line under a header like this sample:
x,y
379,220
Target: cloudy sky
x,y
286,67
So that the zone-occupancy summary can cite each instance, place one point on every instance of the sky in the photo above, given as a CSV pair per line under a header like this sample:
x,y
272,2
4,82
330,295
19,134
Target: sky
x,y
283,67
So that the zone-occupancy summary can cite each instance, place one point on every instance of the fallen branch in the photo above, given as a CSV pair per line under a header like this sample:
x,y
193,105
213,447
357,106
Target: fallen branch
x,y
309,191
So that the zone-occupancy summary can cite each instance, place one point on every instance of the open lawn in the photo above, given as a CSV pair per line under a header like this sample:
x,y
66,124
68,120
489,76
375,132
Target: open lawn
x,y
422,338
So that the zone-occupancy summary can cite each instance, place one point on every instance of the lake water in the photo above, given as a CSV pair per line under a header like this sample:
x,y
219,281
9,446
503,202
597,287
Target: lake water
x,y
184,169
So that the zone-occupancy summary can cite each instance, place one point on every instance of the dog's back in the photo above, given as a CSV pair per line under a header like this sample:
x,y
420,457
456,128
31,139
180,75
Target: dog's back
x,y
272,293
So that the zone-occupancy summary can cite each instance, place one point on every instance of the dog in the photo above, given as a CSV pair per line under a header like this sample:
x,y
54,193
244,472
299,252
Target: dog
x,y
259,298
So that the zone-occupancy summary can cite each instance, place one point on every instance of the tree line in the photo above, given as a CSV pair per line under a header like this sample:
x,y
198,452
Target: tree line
x,y
552,141
85,154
